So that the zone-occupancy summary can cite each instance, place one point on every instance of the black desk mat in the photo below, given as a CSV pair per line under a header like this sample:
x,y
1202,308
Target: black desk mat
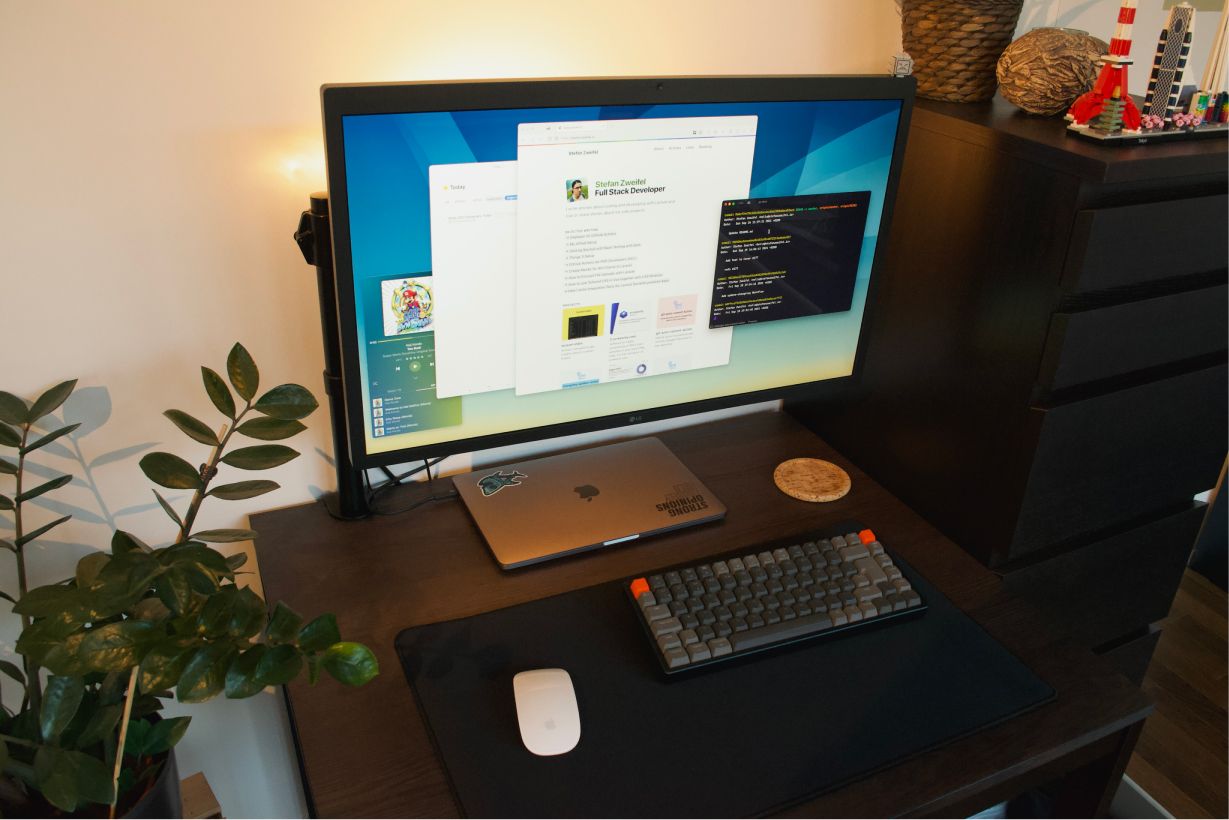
x,y
742,739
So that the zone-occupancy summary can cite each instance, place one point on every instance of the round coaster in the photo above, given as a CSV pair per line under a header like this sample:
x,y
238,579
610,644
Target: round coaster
x,y
809,479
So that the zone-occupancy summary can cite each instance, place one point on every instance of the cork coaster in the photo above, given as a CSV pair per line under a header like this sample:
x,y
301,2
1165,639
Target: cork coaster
x,y
809,479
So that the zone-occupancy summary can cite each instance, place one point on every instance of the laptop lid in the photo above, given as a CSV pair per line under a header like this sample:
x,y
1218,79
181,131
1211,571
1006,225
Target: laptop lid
x,y
535,510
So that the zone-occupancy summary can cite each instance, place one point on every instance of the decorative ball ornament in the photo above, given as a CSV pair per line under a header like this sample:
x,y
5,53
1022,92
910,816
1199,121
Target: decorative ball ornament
x,y
1045,70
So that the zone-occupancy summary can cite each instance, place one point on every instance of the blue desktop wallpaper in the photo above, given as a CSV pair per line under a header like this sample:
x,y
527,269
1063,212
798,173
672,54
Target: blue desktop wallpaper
x,y
801,148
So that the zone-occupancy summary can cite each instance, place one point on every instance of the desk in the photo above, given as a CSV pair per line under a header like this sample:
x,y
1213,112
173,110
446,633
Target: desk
x,y
365,752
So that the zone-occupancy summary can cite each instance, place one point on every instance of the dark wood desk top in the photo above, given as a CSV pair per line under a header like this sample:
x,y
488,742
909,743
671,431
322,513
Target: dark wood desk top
x,y
365,752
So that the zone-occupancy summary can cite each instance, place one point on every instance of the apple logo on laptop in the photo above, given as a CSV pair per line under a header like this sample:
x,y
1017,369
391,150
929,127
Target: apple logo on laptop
x,y
586,491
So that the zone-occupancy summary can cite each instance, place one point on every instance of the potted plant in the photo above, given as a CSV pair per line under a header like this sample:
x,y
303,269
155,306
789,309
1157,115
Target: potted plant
x,y
137,624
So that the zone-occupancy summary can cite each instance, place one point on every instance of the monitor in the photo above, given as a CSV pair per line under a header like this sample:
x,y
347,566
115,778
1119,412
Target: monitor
x,y
518,260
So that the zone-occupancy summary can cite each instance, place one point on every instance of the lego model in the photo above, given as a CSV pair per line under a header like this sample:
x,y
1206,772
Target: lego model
x,y
1109,91
1172,50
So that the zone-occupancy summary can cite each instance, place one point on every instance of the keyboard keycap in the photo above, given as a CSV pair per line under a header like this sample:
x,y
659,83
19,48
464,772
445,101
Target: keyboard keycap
x,y
756,638
656,613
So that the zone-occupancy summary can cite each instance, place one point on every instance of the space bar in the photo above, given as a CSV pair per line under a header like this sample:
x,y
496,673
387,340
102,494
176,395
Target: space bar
x,y
784,631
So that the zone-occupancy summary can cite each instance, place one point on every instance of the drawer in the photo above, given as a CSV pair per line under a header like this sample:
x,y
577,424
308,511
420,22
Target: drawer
x,y
1136,244
1100,592
1107,460
1100,344
1132,658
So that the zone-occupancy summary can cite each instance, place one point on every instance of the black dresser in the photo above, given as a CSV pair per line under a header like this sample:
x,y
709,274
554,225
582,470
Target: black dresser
x,y
1045,366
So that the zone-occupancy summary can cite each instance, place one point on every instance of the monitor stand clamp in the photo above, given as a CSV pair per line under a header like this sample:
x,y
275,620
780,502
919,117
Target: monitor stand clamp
x,y
315,241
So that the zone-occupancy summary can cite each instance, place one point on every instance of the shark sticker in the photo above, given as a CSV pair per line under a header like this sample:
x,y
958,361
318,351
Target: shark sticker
x,y
497,480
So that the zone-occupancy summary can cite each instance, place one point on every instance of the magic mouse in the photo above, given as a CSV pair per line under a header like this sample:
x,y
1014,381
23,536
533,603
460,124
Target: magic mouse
x,y
546,711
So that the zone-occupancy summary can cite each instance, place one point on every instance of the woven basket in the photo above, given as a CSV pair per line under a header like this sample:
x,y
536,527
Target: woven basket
x,y
955,45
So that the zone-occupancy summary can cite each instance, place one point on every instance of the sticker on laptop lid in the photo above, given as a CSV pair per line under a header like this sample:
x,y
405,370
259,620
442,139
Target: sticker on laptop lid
x,y
684,500
496,481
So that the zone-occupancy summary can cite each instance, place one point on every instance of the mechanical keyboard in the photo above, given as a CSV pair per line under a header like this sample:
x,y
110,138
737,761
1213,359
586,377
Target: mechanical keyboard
x,y
770,595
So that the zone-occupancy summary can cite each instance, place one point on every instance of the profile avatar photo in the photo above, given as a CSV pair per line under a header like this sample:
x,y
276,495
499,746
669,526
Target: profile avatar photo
x,y
578,190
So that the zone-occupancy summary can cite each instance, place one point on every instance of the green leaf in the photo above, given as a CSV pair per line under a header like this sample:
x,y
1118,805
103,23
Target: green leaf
x,y
9,437
61,699
215,616
284,624
124,581
69,778
137,740
233,561
53,484
52,399
166,733
267,428
241,679
192,427
287,401
320,634
6,503
13,410
243,489
13,671
150,609
261,457
351,663
7,467
53,599
280,665
192,552
47,439
171,471
249,615
224,536
44,643
174,590
169,510
218,392
99,726
205,674
117,646
30,536
163,665
122,542
89,566
244,376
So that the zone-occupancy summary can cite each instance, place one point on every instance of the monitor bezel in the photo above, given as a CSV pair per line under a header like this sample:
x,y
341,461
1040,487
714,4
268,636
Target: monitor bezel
x,y
343,100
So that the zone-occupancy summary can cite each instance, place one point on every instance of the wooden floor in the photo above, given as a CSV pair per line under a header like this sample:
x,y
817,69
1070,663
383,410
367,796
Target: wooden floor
x,y
1182,758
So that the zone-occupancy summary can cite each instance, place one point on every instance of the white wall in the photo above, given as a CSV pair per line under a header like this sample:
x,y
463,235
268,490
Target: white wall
x,y
154,157
1099,17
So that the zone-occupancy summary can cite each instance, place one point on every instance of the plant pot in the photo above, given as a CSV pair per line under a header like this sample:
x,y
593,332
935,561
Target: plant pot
x,y
955,45
162,799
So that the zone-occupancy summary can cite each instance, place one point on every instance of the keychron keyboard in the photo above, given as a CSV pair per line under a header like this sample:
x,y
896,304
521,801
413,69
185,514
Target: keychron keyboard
x,y
763,597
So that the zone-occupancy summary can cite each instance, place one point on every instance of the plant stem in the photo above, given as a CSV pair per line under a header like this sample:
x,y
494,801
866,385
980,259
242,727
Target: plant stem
x,y
19,741
123,735
224,434
34,685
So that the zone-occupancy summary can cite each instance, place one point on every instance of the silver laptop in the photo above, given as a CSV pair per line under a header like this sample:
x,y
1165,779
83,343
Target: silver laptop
x,y
545,508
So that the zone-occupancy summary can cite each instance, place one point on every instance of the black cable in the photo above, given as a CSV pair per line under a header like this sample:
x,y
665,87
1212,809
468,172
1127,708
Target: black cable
x,y
419,503
396,480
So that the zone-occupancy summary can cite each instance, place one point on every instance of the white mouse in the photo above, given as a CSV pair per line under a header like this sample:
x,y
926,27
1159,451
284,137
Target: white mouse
x,y
546,711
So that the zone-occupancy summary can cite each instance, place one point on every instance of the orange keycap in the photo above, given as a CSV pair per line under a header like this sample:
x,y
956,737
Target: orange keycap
x,y
866,536
639,586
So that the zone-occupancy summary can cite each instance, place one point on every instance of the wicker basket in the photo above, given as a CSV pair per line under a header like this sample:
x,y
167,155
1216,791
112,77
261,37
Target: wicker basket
x,y
955,45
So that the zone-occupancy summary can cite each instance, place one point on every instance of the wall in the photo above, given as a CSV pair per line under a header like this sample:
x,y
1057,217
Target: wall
x,y
154,159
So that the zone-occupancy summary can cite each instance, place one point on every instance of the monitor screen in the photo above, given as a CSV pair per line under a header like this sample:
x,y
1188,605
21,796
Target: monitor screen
x,y
510,270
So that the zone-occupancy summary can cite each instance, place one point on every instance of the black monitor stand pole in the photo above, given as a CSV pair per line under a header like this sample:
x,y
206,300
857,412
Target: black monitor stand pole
x,y
315,240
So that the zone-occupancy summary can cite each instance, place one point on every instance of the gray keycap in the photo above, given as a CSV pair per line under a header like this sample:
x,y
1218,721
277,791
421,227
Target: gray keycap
x,y
711,601
897,603
657,582
736,564
837,614
678,608
705,632
740,625
699,652
727,596
727,580
901,585
668,642
688,636
755,605
664,596
861,580
771,616
892,572
787,613
758,574
750,562
810,548
786,630
804,564
721,568
795,551
722,629
754,621
787,599
774,586
711,584
690,621
695,605
667,627
673,578
704,571
853,614
775,571
854,552
723,613
870,569
689,574
869,610
742,593
802,595
646,599
695,589
676,658
912,599
720,646
739,609
742,577
867,594
883,606
765,558
780,554
679,592
706,617
837,541
656,613
875,547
